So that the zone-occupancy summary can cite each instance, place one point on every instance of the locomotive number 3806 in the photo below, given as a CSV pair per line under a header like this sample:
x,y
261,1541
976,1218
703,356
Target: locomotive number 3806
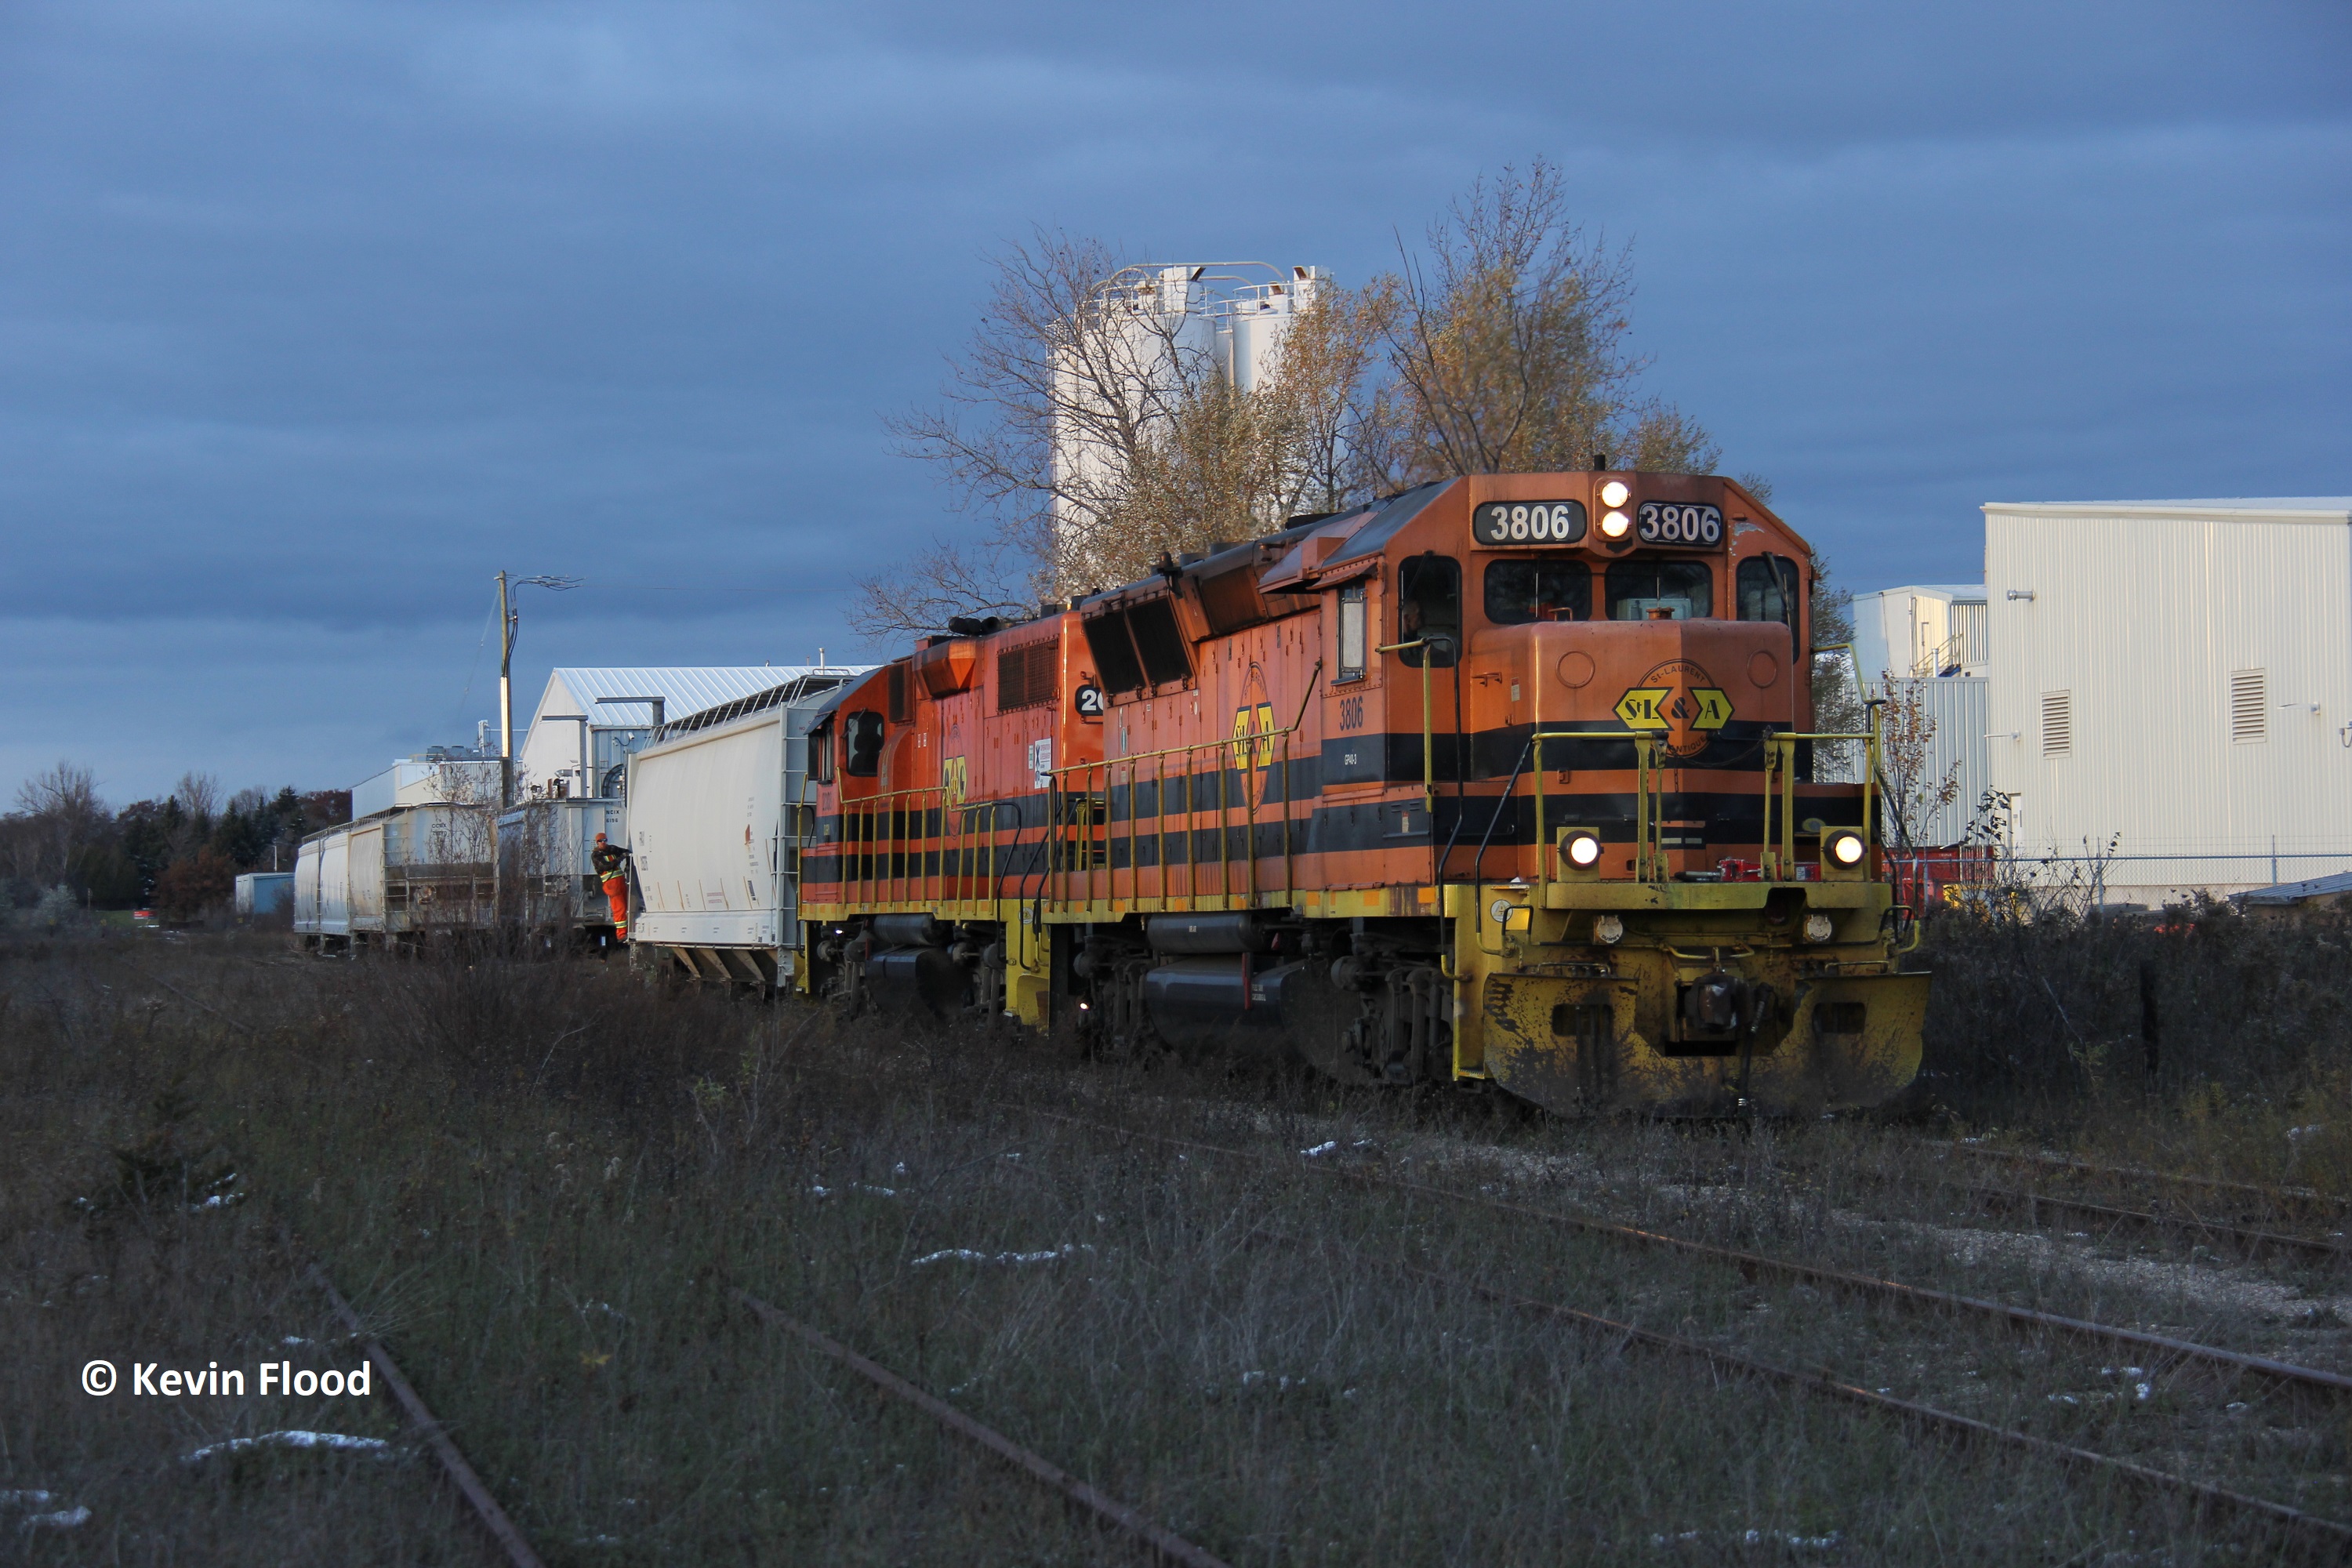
x,y
1528,522
1666,522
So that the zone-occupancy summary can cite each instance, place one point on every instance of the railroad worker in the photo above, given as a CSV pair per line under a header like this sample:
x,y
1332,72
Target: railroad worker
x,y
610,863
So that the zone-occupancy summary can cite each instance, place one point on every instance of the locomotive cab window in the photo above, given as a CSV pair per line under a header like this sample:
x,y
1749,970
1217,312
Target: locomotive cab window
x,y
1521,591
1429,604
1767,591
1352,639
861,743
1637,589
821,753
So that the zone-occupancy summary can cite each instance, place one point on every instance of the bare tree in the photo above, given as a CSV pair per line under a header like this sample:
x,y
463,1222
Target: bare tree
x,y
1054,356
1504,348
199,795
1914,793
60,814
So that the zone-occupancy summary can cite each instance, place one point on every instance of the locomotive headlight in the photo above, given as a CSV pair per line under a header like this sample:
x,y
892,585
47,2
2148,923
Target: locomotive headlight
x,y
1613,525
1614,493
1609,929
1819,928
1844,849
1583,849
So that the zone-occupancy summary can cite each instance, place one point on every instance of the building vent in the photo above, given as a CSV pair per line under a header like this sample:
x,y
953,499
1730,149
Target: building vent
x,y
2057,724
2249,706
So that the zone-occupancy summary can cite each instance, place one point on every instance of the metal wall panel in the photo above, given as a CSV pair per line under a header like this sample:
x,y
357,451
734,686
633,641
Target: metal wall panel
x,y
2139,614
334,886
364,875
1955,705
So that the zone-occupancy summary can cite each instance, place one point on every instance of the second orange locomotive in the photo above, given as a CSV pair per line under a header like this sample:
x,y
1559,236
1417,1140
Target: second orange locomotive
x,y
1507,778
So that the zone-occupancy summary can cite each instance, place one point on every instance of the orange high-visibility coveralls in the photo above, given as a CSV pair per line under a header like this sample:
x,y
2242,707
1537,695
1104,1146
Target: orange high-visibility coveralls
x,y
608,862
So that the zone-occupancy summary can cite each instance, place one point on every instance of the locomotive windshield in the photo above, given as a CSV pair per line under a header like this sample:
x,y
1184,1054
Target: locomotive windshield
x,y
1685,589
1768,591
1520,591
1429,604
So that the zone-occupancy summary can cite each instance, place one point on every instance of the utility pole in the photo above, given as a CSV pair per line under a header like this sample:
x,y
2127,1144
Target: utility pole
x,y
509,617
506,698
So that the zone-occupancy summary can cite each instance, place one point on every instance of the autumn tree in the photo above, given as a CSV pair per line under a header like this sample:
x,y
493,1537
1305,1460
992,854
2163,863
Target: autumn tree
x,y
1089,439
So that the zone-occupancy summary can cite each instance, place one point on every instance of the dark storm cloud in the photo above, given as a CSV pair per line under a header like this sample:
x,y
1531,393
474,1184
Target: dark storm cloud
x,y
313,315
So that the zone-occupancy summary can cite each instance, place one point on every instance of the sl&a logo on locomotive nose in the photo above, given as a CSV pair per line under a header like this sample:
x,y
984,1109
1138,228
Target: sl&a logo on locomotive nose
x,y
1680,704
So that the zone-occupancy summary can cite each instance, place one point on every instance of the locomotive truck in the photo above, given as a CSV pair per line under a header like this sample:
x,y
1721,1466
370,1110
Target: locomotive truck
x,y
1508,779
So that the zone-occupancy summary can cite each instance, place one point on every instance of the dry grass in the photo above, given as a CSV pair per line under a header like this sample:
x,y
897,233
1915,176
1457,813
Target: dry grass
x,y
541,1181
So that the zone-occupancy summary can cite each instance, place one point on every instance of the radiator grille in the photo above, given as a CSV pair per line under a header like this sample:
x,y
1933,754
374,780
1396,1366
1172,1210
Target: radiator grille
x,y
1025,675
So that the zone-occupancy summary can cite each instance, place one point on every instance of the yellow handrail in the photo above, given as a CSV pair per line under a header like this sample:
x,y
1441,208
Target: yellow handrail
x,y
1247,749
1649,772
1428,733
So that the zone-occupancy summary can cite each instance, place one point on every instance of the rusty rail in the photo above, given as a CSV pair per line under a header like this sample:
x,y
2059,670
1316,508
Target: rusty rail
x,y
461,1474
2249,1240
2284,1198
1165,1545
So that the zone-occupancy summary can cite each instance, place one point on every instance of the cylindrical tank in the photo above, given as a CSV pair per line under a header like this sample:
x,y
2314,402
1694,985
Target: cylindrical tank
x,y
910,976
1236,931
908,930
1206,1003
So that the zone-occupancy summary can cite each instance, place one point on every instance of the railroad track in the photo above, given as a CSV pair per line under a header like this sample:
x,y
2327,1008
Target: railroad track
x,y
2317,1537
502,1529
1159,1543
2312,1535
2248,1241
1754,1264
2294,1200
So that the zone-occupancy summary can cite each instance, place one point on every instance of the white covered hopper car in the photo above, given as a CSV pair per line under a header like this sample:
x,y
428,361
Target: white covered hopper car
x,y
717,806
401,875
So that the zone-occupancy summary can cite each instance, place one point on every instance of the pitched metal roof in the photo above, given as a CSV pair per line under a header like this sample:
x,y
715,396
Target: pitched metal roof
x,y
682,691
2296,892
2227,506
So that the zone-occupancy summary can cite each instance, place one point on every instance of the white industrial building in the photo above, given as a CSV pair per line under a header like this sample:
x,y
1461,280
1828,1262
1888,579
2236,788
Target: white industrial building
x,y
2169,689
1149,332
588,720
1924,644
1927,629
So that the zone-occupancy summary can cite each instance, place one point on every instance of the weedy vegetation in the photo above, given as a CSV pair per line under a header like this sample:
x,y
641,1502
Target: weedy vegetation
x,y
542,1183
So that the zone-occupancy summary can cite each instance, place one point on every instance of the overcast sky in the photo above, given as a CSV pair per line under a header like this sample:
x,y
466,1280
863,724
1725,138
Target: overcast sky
x,y
314,316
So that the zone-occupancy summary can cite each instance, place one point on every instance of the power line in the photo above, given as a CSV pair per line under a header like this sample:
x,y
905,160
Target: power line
x,y
467,695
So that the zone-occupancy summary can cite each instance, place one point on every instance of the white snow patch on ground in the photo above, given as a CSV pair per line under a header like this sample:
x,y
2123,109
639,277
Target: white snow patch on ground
x,y
64,1518
2207,1287
330,1442
967,1255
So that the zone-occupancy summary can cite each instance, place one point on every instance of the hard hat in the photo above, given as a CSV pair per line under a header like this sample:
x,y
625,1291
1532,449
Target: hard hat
x,y
600,838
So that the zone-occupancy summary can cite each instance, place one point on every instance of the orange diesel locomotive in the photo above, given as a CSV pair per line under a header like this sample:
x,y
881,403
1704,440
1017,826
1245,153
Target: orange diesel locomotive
x,y
1507,778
